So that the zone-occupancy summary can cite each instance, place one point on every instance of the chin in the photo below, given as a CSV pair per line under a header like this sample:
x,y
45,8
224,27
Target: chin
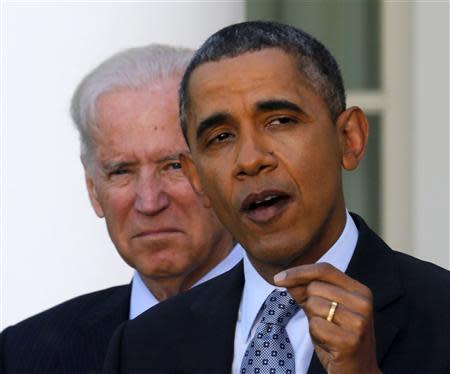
x,y
161,271
278,251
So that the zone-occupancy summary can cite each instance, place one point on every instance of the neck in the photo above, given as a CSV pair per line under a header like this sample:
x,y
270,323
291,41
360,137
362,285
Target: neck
x,y
322,241
165,287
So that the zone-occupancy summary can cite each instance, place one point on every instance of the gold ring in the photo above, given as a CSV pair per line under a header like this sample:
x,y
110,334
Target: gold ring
x,y
332,311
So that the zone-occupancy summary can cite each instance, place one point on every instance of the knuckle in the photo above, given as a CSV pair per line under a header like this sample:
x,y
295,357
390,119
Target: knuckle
x,y
313,288
312,303
366,307
359,324
325,267
353,340
367,292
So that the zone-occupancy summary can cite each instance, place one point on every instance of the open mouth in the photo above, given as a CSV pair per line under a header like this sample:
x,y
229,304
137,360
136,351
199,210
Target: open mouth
x,y
265,206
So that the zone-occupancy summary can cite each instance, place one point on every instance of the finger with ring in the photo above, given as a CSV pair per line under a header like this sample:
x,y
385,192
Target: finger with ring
x,y
332,311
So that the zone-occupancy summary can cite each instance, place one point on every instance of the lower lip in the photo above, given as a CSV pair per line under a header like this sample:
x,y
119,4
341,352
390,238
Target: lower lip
x,y
156,234
268,214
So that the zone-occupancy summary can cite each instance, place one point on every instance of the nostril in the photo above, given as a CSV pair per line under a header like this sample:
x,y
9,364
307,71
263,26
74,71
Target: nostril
x,y
251,170
253,158
152,202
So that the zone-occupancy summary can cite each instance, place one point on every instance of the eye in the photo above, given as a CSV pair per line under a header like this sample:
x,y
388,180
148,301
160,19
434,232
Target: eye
x,y
282,121
171,167
120,171
223,136
174,166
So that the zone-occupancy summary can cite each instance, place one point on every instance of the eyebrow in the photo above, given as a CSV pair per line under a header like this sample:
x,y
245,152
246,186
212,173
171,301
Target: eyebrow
x,y
269,105
264,106
171,157
211,121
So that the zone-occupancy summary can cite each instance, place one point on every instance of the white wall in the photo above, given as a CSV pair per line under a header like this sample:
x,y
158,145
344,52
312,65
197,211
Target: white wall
x,y
53,247
430,132
415,135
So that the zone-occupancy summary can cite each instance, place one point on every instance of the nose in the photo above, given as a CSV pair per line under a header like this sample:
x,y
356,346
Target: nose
x,y
151,197
253,156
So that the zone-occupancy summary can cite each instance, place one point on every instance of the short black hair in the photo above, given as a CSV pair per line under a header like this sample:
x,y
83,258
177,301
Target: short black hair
x,y
314,60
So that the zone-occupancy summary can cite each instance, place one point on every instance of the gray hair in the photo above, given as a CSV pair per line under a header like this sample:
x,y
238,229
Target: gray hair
x,y
131,68
314,61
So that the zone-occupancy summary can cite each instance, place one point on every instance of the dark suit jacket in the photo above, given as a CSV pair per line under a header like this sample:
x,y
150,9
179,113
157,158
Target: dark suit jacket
x,y
194,332
69,338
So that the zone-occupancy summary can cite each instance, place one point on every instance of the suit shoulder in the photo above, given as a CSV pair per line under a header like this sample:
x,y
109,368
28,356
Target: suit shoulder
x,y
422,275
53,324
73,307
69,336
378,265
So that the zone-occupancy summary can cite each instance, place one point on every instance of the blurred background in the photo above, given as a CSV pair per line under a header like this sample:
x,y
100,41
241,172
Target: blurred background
x,y
395,61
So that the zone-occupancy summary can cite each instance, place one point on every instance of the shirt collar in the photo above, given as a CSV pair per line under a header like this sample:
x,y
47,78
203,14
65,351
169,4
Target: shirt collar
x,y
142,298
256,288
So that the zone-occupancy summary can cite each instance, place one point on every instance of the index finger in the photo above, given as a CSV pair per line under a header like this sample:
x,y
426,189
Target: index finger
x,y
304,274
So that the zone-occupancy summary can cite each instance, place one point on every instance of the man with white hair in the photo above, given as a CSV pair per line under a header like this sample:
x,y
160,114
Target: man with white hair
x,y
126,113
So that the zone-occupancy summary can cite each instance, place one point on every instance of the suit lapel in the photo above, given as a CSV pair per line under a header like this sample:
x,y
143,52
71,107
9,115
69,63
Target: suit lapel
x,y
373,264
214,315
100,322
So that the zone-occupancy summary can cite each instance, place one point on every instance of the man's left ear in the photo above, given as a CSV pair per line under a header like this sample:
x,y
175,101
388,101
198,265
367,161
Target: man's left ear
x,y
189,169
353,129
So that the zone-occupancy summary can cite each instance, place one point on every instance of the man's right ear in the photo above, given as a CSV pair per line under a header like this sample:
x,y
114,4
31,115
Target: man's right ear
x,y
191,173
93,197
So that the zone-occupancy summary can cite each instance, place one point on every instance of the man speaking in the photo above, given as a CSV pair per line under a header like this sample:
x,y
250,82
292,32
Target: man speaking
x,y
126,111
262,106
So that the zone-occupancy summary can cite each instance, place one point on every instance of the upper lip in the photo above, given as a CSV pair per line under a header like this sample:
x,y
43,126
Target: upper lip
x,y
260,197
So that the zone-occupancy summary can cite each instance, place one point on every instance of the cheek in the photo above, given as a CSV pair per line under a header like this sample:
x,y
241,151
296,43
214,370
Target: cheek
x,y
182,194
222,198
312,151
116,203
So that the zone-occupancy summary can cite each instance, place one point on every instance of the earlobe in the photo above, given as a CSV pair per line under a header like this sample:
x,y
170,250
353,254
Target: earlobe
x,y
93,197
205,199
191,173
353,129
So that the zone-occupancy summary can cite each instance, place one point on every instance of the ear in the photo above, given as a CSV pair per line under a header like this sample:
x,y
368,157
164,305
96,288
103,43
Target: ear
x,y
353,130
93,194
189,169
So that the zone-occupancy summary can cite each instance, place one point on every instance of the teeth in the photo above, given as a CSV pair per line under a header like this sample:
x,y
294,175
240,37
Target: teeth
x,y
265,199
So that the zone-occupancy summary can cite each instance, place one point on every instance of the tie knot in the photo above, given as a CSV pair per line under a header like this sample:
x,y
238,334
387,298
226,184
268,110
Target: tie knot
x,y
278,308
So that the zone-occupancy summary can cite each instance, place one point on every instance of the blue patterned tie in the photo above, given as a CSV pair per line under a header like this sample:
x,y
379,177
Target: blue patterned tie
x,y
270,351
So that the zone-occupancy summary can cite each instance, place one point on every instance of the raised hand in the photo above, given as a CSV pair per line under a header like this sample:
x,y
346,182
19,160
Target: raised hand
x,y
345,343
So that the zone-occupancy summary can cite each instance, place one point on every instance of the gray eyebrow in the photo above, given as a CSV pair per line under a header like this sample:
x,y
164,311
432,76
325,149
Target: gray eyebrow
x,y
171,157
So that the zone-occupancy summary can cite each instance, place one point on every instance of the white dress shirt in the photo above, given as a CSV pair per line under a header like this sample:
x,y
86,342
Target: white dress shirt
x,y
256,290
142,299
